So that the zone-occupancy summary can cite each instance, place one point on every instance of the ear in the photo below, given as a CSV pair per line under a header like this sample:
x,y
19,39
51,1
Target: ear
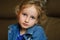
x,y
17,10
17,14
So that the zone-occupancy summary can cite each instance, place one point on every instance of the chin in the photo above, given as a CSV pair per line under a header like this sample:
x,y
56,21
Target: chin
x,y
25,27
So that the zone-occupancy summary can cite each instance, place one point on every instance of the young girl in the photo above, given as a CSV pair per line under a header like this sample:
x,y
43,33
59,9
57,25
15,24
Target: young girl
x,y
29,14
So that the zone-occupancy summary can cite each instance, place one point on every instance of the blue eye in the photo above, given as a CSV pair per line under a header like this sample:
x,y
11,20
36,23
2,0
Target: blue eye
x,y
24,14
32,17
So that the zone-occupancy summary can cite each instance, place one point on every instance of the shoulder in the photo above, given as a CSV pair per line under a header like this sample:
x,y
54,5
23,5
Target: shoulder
x,y
39,30
11,31
12,26
39,33
38,27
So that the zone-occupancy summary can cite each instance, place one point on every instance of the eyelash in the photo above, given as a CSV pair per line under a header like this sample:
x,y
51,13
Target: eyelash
x,y
32,17
24,14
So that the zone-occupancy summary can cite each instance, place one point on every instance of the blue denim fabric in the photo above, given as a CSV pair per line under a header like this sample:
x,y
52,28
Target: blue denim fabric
x,y
34,33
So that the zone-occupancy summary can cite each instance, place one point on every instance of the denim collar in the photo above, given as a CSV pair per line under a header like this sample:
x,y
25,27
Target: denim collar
x,y
29,31
32,29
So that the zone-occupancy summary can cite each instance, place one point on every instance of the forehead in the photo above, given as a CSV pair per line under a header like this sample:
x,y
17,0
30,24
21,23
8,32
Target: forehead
x,y
30,10
30,5
26,6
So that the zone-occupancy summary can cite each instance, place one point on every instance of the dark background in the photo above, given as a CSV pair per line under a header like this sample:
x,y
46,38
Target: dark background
x,y
7,17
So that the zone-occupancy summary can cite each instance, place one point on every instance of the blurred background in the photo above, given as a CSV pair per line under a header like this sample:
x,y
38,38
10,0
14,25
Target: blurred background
x,y
7,17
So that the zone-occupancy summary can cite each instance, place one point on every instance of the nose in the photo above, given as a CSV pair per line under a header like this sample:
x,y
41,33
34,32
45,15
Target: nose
x,y
27,19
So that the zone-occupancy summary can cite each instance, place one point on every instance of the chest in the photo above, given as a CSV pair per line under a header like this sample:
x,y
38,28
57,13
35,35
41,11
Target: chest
x,y
25,37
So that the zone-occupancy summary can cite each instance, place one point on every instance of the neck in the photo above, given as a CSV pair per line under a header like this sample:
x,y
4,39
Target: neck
x,y
22,31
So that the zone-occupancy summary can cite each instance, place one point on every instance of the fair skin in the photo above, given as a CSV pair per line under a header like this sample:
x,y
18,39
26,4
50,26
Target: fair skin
x,y
27,18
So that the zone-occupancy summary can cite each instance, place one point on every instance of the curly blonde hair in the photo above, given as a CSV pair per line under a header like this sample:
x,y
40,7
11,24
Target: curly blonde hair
x,y
40,6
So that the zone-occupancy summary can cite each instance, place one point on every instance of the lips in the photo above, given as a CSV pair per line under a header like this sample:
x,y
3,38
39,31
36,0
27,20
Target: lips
x,y
25,24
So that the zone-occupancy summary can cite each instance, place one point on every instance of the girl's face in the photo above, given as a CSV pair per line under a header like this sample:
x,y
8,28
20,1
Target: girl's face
x,y
28,17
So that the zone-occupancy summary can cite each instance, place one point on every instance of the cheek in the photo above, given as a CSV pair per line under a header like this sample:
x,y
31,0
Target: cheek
x,y
21,18
32,22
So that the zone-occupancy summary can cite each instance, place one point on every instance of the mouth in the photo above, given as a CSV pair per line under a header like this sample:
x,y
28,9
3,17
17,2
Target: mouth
x,y
25,24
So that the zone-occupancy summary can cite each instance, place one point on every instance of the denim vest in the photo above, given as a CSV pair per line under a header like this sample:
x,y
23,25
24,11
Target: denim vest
x,y
34,33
